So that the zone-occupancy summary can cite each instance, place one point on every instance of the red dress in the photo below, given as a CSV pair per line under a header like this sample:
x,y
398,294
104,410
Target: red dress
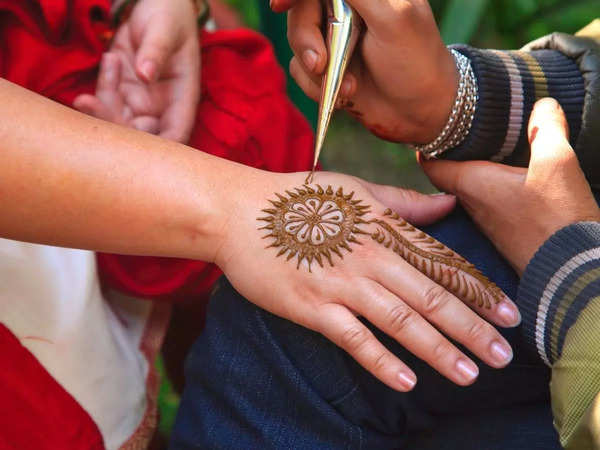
x,y
53,47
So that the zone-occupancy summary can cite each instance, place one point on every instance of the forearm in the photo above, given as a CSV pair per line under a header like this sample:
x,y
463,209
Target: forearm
x,y
71,180
509,84
559,297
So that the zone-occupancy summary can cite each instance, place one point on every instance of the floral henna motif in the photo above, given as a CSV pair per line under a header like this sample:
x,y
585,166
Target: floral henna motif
x,y
313,224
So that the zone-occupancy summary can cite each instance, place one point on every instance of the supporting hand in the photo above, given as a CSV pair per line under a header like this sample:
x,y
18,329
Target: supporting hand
x,y
150,79
519,209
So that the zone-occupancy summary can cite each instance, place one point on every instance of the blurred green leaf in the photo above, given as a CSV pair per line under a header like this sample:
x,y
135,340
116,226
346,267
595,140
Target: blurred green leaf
x,y
461,19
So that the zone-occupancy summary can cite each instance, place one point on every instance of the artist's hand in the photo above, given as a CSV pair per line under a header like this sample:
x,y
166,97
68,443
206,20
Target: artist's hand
x,y
150,78
402,81
381,277
519,209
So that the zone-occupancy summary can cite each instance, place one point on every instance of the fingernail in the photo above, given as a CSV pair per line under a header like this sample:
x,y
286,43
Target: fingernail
x,y
467,369
407,381
148,69
501,353
310,57
510,315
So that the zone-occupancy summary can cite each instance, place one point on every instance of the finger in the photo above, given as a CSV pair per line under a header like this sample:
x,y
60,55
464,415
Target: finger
x,y
341,327
148,124
304,81
157,45
110,73
436,264
468,179
435,289
449,314
401,322
92,106
305,35
107,88
416,208
549,137
178,119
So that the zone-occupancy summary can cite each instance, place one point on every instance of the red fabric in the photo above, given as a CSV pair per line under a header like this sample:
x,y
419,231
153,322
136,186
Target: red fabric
x,y
53,47
37,413
244,116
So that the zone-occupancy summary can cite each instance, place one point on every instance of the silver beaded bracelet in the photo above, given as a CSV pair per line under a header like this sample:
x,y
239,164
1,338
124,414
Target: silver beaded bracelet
x,y
463,111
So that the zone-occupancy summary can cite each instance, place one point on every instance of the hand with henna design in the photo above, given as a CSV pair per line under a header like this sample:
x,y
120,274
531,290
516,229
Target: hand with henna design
x,y
332,251
114,189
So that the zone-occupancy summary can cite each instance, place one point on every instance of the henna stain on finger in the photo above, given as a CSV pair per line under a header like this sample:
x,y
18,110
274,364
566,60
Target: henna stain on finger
x,y
436,261
316,224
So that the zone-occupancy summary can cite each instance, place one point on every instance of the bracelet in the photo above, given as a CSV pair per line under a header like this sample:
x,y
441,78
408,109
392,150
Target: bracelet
x,y
123,12
462,114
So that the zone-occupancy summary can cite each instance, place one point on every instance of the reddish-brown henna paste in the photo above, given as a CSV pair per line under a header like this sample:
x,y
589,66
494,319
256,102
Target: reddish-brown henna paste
x,y
314,224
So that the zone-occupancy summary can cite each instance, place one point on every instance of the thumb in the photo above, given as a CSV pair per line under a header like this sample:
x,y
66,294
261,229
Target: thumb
x,y
549,138
158,43
414,207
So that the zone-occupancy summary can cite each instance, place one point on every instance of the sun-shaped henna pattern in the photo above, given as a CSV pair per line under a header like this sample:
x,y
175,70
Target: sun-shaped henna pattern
x,y
314,224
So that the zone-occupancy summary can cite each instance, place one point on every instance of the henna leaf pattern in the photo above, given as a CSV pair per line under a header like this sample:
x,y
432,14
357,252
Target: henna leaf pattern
x,y
313,224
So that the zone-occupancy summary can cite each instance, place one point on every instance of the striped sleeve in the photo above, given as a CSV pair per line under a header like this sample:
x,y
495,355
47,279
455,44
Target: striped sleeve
x,y
559,297
509,83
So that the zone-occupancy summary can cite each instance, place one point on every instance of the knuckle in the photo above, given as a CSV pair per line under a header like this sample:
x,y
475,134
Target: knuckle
x,y
440,352
410,196
399,317
380,362
354,338
434,297
479,331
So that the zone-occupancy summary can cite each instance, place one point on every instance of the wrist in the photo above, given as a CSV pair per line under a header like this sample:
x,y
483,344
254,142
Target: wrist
x,y
433,113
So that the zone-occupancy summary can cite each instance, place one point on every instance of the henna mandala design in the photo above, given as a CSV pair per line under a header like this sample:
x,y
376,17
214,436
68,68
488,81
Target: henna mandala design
x,y
312,223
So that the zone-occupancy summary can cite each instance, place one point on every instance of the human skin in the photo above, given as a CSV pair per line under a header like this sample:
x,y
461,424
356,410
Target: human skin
x,y
150,78
402,80
519,209
72,180
501,199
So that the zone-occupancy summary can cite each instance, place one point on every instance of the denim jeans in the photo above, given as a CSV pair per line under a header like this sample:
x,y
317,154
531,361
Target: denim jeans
x,y
255,381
